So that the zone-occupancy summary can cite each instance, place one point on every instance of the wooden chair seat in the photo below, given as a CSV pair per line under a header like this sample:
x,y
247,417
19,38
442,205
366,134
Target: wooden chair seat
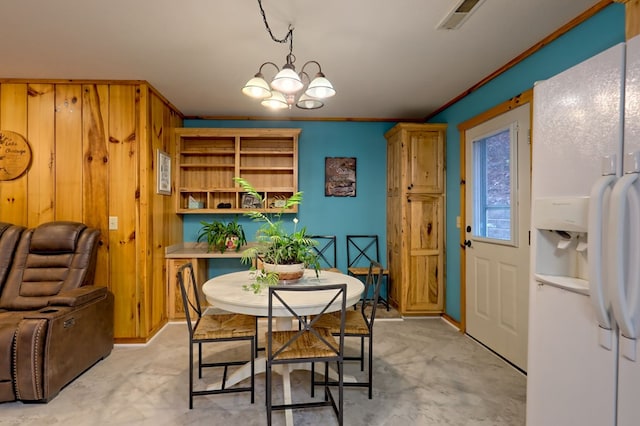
x,y
354,324
306,346
225,326
364,270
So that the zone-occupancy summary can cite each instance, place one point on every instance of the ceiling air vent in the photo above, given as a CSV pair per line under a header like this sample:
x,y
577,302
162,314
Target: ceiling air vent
x,y
459,14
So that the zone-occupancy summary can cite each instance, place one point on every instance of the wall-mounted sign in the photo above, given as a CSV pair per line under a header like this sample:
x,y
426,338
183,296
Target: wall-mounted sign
x,y
15,155
339,176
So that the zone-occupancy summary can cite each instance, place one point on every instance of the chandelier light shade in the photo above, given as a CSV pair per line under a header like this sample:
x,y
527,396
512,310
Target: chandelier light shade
x,y
275,101
289,87
287,81
307,102
320,87
257,87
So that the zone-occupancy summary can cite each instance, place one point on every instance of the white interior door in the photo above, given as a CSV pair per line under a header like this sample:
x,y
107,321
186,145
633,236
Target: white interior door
x,y
497,233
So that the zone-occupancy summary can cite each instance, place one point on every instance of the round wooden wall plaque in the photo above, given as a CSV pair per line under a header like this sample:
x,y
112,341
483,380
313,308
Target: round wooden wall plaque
x,y
15,155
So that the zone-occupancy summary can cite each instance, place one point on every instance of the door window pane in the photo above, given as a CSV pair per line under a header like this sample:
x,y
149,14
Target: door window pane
x,y
494,177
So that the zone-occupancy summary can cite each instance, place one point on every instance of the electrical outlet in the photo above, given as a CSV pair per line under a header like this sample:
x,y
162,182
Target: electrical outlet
x,y
113,223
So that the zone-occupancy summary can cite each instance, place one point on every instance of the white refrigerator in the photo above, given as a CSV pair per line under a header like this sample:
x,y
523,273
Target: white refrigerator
x,y
584,308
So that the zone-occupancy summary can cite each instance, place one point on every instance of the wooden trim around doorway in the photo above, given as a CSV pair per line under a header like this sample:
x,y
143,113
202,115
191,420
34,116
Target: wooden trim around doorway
x,y
506,106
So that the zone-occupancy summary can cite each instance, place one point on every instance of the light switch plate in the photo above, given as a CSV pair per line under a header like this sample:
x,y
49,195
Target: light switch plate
x,y
113,223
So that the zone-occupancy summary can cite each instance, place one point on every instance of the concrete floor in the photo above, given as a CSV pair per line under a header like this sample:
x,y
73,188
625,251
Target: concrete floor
x,y
425,373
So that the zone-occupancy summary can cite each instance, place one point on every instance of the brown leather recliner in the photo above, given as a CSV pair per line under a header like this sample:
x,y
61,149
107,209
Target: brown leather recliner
x,y
54,324
9,236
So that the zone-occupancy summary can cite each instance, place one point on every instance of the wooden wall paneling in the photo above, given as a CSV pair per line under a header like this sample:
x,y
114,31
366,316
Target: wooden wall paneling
x,y
68,152
95,119
41,137
632,26
173,222
123,204
144,228
94,149
13,117
160,204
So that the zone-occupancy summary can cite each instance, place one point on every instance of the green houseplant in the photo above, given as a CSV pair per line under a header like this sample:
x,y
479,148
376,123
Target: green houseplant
x,y
275,244
221,236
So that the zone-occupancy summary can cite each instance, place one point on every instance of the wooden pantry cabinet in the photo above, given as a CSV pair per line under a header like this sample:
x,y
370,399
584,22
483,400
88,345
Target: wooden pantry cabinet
x,y
415,217
208,159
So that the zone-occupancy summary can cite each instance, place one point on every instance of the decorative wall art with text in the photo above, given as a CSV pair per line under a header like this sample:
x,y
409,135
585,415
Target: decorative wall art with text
x,y
340,177
15,155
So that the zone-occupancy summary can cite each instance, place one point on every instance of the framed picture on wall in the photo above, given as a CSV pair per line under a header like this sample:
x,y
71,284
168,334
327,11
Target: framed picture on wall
x,y
163,178
340,177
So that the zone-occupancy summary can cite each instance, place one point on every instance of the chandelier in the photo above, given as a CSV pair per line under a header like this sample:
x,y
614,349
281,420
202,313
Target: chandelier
x,y
289,87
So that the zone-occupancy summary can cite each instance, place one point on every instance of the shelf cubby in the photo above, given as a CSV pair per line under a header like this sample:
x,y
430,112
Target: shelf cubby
x,y
207,160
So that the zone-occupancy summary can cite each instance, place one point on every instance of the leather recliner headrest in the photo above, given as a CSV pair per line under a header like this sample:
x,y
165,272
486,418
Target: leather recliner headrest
x,y
3,227
56,237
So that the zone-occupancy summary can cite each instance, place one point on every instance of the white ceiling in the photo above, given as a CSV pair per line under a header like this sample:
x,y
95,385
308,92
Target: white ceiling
x,y
385,58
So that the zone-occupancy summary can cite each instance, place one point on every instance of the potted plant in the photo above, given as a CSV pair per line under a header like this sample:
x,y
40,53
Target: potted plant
x,y
221,236
284,254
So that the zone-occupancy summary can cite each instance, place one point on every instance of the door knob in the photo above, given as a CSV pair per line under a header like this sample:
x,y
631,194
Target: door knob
x,y
467,243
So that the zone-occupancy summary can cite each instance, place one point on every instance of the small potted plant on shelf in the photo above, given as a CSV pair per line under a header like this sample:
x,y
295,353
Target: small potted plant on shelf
x,y
284,254
221,236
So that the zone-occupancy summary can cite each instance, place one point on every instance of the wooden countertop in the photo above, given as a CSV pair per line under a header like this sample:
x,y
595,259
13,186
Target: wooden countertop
x,y
191,250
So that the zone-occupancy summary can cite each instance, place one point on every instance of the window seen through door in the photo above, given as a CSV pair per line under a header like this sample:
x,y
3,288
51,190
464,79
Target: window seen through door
x,y
494,176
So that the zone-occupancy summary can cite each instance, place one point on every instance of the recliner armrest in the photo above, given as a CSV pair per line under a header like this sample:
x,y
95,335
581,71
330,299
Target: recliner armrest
x,y
78,296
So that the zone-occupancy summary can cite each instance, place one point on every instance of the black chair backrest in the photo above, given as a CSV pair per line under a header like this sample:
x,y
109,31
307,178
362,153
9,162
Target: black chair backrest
x,y
190,298
325,250
331,295
372,283
362,249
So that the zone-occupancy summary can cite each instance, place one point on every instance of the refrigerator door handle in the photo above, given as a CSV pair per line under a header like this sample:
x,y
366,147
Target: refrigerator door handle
x,y
597,293
625,299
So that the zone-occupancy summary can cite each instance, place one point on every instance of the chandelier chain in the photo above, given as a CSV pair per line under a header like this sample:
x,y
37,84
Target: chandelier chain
x,y
288,37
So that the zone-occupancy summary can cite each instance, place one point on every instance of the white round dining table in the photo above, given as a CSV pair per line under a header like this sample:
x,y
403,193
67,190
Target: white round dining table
x,y
227,292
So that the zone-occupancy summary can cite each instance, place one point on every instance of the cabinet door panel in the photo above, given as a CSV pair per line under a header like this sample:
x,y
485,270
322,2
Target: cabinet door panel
x,y
175,306
394,162
394,242
426,252
426,167
426,293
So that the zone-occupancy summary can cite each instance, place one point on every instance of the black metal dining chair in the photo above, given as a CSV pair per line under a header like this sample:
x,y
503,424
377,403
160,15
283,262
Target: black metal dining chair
x,y
309,344
359,324
361,250
210,328
326,251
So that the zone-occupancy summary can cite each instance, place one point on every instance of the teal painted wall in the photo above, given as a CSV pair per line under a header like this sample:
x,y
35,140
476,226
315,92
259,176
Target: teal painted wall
x,y
366,212
363,214
589,38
